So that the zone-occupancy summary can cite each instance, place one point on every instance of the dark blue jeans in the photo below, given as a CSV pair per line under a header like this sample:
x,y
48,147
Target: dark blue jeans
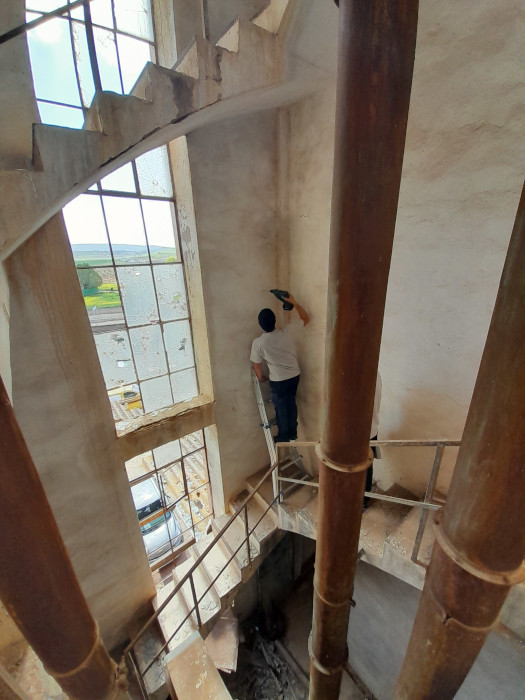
x,y
283,399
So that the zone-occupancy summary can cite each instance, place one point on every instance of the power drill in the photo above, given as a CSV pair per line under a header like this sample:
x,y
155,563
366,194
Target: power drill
x,y
282,296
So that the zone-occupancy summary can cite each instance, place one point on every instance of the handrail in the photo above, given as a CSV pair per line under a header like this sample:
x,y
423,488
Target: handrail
x,y
197,563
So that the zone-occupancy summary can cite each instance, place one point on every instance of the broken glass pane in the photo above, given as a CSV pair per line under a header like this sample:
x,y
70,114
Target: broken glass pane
x,y
134,17
200,503
154,173
196,469
159,217
173,483
201,529
59,115
52,62
126,230
101,12
133,54
138,295
126,403
85,74
182,511
170,452
87,231
148,351
107,60
184,385
156,394
114,353
192,442
179,348
171,291
139,465
120,180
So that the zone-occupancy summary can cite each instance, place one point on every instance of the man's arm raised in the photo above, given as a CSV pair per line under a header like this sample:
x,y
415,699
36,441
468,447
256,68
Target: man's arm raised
x,y
303,315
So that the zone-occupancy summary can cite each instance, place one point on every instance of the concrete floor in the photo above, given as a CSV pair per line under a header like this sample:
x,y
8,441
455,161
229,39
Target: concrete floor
x,y
380,627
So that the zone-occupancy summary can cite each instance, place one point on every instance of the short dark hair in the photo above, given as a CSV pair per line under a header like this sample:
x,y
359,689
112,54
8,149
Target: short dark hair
x,y
266,320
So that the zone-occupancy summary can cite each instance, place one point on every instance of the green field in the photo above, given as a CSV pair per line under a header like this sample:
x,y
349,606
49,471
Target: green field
x,y
105,300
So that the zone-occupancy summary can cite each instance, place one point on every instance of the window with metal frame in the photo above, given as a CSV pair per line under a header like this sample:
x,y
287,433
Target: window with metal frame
x,y
103,45
127,252
170,486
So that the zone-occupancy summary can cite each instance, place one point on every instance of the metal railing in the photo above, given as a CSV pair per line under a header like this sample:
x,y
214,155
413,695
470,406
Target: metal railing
x,y
129,652
274,472
426,505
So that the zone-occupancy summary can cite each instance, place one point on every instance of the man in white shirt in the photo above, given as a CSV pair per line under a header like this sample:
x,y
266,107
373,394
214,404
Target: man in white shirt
x,y
276,347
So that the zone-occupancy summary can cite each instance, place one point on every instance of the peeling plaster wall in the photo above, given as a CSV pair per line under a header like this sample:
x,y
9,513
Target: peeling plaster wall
x,y
462,176
233,171
62,408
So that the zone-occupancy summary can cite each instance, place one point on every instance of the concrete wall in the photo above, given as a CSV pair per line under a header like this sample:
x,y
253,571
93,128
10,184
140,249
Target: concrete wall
x,y
461,181
62,408
233,171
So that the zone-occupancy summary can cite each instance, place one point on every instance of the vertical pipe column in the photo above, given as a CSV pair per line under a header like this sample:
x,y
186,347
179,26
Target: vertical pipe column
x,y
480,544
37,583
376,57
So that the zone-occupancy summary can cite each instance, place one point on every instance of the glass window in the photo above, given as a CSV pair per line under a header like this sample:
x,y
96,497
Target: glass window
x,y
134,17
177,489
60,115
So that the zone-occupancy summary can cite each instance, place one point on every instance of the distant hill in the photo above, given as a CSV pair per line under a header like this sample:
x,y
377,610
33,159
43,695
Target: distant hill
x,y
100,248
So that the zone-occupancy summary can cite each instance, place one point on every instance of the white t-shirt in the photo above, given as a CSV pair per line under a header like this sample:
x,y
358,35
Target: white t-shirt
x,y
277,349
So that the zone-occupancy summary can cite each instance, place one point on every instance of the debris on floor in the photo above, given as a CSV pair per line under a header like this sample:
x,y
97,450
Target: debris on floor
x,y
262,671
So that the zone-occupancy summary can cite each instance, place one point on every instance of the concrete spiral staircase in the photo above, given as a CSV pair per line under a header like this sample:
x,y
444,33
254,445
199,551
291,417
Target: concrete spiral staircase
x,y
244,71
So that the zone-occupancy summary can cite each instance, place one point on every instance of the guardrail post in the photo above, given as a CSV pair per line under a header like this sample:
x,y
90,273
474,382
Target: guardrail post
x,y
195,601
428,497
247,535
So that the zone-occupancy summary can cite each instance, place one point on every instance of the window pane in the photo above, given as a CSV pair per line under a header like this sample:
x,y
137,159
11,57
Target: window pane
x,y
133,54
101,12
182,510
138,295
85,75
139,465
121,180
126,230
44,5
102,298
184,385
148,351
52,62
58,115
126,403
114,353
173,483
107,60
200,504
154,173
134,17
192,442
87,231
179,348
160,228
171,292
196,469
200,532
170,452
156,394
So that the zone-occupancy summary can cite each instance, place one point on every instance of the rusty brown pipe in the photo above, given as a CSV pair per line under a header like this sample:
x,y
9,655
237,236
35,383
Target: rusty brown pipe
x,y
480,544
37,583
375,65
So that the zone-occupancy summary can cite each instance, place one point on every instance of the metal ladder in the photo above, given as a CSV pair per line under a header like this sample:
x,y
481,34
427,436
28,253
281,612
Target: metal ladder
x,y
294,459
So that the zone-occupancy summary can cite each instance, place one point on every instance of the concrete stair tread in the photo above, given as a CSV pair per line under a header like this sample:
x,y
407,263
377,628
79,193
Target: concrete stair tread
x,y
172,616
146,648
232,538
267,524
265,492
210,605
230,580
193,674
404,536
